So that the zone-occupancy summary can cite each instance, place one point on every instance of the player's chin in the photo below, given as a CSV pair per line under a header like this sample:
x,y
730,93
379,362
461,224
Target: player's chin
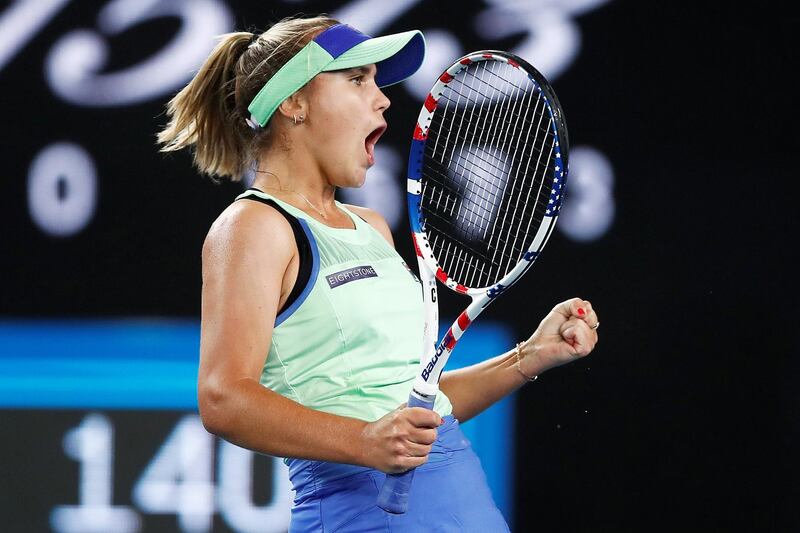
x,y
354,181
359,177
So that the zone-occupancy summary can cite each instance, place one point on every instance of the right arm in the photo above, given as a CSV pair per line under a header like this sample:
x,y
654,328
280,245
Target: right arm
x,y
245,258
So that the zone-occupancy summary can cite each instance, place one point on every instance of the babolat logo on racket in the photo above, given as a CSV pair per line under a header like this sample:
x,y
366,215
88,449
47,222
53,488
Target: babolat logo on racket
x,y
351,274
447,342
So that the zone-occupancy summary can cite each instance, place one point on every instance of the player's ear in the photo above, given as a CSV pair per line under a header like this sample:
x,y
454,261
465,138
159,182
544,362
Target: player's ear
x,y
294,106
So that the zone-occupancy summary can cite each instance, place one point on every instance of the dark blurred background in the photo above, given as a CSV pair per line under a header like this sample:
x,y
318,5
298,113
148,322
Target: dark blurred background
x,y
679,226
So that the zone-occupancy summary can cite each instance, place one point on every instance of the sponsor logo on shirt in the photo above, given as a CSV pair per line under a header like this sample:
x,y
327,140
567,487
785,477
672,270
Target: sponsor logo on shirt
x,y
351,274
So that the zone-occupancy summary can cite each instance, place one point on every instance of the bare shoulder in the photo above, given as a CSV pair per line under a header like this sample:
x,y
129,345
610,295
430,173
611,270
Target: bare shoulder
x,y
249,226
374,219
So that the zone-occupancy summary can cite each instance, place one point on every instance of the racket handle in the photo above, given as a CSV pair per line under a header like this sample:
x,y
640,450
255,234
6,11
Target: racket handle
x,y
393,497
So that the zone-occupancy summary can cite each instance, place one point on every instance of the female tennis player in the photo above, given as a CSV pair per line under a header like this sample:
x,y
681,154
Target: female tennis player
x,y
311,322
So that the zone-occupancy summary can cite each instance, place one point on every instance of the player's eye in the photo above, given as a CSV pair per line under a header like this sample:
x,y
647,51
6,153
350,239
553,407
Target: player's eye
x,y
357,80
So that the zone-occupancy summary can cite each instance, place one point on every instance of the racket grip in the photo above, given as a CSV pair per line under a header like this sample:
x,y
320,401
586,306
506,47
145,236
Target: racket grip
x,y
393,497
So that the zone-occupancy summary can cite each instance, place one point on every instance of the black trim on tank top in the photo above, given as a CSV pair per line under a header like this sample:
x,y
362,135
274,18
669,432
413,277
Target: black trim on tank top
x,y
303,248
359,216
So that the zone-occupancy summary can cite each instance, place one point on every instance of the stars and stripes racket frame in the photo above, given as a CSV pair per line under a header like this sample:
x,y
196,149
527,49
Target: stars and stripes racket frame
x,y
486,175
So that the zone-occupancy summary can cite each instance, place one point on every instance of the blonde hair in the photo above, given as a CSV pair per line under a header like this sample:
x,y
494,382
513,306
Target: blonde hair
x,y
209,113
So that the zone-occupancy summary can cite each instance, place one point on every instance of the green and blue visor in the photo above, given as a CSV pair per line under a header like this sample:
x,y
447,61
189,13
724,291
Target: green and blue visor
x,y
396,56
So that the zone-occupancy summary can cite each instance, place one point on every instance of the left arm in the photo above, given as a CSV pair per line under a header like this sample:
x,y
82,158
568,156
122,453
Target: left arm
x,y
563,336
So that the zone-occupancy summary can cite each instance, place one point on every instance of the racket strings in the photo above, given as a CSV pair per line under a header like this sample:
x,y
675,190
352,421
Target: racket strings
x,y
503,79
464,267
488,261
491,152
468,215
488,168
517,199
470,263
450,100
440,223
489,159
477,123
463,253
500,101
437,235
452,197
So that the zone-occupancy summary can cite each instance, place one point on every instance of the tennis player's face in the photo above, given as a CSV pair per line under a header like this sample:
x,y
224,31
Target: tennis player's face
x,y
345,119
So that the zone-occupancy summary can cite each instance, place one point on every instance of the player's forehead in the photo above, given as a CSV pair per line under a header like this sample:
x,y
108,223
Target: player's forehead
x,y
365,70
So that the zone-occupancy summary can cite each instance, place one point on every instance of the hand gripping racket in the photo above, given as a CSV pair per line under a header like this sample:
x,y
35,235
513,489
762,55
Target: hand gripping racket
x,y
486,178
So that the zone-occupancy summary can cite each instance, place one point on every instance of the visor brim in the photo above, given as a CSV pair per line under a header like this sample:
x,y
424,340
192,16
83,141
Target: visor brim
x,y
397,56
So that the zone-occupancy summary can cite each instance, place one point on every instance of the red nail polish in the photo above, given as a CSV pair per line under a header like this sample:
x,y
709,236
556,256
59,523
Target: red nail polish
x,y
581,311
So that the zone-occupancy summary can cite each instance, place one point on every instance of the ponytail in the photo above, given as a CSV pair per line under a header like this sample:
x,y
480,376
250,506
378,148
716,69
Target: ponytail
x,y
210,113
204,113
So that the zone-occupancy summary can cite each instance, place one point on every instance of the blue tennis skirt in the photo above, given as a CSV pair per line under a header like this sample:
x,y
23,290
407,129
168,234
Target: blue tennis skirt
x,y
449,493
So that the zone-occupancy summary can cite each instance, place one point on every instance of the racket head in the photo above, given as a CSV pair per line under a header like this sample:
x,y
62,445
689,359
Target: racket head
x,y
487,169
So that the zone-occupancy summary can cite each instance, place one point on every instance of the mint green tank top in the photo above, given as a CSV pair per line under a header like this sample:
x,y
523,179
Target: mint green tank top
x,y
351,343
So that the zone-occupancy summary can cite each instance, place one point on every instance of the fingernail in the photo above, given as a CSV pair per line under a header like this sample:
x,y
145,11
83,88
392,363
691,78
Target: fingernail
x,y
441,421
581,311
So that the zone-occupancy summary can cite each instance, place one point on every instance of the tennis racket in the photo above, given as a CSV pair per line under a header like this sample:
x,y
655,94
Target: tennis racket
x,y
486,173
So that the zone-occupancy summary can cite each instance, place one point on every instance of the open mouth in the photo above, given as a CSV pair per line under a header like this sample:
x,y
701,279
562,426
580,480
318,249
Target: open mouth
x,y
371,141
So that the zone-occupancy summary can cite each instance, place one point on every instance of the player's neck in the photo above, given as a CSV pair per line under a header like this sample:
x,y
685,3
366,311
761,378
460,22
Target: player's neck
x,y
283,173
